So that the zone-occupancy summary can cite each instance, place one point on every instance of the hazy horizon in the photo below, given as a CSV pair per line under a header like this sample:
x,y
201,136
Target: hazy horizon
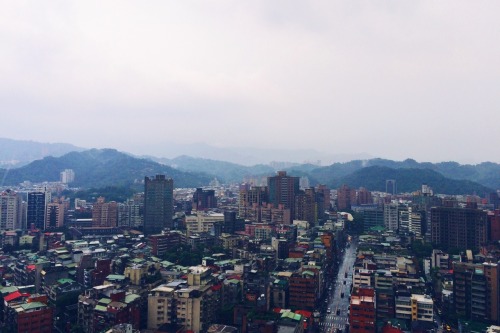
x,y
393,80
248,156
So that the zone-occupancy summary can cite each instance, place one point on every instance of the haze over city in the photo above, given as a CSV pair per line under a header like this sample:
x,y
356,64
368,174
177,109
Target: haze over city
x,y
415,79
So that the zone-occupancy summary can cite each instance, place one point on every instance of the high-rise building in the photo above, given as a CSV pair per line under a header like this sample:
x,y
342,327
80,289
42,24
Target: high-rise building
x,y
362,311
364,197
204,199
104,214
492,281
323,193
251,197
162,307
306,208
282,191
202,222
494,200
459,228
345,197
373,216
390,186
417,224
29,313
231,223
37,208
304,182
475,291
131,213
404,219
55,215
67,176
391,216
10,210
494,225
163,243
158,204
304,289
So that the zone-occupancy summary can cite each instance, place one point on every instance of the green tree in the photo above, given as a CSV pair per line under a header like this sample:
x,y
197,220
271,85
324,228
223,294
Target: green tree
x,y
421,250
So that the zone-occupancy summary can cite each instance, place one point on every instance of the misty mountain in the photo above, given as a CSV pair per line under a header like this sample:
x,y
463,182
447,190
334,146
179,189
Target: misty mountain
x,y
16,153
249,156
486,174
408,180
108,167
226,172
99,168
371,174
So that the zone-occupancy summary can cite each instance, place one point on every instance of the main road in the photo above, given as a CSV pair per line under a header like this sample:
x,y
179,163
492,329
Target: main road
x,y
335,315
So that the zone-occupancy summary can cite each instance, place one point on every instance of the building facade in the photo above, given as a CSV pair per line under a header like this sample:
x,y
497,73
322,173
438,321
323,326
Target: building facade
x,y
10,210
282,191
460,228
158,204
37,208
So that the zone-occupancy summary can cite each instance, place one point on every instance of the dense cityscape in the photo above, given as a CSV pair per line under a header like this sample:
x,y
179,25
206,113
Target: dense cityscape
x,y
310,166
270,254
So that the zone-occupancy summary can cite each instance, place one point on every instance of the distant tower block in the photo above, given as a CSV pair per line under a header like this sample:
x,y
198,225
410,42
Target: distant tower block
x,y
67,176
390,186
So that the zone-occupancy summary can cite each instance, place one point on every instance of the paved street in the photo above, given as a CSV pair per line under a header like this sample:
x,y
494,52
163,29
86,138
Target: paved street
x,y
335,313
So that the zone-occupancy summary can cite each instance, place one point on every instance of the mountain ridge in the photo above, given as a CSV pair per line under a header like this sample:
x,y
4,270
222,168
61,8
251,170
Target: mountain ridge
x,y
99,168
196,171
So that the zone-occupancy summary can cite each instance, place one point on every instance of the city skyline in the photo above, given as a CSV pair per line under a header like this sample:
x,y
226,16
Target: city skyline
x,y
393,80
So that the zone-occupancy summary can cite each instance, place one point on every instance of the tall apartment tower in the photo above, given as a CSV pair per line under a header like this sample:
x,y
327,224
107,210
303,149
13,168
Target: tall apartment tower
x,y
158,204
67,176
104,214
204,199
391,216
364,197
55,215
131,213
390,186
37,209
460,228
363,310
282,191
10,210
345,197
306,207
251,197
324,203
475,291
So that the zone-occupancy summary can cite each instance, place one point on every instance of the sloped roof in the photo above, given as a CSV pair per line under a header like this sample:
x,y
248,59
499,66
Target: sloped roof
x,y
15,295
32,305
291,315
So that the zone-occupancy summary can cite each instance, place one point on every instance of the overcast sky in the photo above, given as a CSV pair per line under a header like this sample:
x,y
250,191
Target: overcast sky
x,y
393,79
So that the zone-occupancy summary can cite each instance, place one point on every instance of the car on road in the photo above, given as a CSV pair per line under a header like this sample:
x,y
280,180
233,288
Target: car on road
x,y
328,310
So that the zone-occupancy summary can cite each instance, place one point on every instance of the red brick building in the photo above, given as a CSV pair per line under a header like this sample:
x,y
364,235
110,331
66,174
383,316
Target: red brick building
x,y
362,311
29,314
494,225
303,290
162,243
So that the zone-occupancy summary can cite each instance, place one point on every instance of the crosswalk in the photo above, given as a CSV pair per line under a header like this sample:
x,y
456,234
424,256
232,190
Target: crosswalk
x,y
333,322
333,317
331,326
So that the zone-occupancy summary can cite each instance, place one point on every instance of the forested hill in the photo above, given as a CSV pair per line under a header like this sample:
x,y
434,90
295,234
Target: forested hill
x,y
99,168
